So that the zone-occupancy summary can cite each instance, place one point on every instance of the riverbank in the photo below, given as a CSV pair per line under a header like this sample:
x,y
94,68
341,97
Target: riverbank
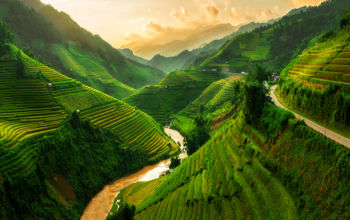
x,y
100,205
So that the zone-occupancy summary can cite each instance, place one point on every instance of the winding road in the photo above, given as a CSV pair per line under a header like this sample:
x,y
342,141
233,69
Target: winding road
x,y
317,127
98,208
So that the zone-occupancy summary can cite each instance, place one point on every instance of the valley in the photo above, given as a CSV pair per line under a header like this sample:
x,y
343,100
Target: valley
x,y
253,125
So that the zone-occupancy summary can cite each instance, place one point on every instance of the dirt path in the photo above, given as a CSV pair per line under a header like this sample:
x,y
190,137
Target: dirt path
x,y
317,127
100,205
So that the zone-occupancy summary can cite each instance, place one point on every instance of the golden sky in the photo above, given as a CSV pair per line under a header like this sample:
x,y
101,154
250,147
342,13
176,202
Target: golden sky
x,y
124,21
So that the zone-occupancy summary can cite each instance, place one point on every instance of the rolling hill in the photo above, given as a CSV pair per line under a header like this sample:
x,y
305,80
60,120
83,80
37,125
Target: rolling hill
x,y
173,93
74,51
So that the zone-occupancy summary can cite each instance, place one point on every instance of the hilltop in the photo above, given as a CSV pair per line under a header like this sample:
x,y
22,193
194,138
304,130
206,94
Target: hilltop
x,y
59,41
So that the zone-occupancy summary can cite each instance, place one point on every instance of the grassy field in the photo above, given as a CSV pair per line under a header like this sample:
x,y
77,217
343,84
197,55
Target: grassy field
x,y
41,100
173,93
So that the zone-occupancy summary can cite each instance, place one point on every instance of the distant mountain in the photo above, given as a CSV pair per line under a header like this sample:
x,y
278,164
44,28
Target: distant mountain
x,y
189,40
187,58
74,51
274,45
130,55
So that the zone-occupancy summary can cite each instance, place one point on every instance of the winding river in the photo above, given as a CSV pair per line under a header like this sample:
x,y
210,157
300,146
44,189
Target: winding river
x,y
100,205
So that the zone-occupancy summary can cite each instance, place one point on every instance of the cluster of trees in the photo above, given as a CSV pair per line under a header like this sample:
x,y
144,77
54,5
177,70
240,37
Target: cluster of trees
x,y
331,104
255,93
88,157
198,136
6,36
345,21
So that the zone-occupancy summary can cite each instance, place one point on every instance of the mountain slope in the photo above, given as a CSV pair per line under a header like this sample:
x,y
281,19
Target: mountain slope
x,y
212,104
251,170
56,38
292,33
42,99
220,180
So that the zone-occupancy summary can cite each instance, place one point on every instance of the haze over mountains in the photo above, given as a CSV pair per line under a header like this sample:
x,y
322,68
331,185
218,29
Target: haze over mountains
x,y
187,39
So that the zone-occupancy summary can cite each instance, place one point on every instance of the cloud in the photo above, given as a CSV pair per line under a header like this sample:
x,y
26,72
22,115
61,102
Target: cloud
x,y
299,3
249,14
212,11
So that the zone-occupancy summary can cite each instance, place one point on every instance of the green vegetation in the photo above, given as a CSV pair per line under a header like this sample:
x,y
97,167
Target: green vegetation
x,y
274,45
69,166
222,179
172,94
125,212
198,136
56,39
174,162
214,104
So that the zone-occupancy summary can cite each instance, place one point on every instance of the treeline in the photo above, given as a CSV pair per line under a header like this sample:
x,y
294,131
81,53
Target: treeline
x,y
331,103
87,157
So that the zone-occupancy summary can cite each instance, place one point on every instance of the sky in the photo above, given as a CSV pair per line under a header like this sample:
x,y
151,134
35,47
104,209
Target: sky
x,y
123,21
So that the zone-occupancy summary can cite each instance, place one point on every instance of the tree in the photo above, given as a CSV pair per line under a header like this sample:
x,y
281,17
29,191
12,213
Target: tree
x,y
254,101
198,136
6,36
174,162
259,73
125,212
345,21
20,68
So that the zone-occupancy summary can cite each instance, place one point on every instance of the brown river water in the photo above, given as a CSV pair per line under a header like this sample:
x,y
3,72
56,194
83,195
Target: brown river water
x,y
100,205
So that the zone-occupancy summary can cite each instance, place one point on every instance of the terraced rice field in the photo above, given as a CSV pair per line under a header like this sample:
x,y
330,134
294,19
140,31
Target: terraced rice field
x,y
26,109
173,93
325,64
39,103
130,125
216,97
223,180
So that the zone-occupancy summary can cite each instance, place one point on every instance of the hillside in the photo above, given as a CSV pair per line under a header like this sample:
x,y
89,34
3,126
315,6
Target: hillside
x,y
47,117
74,51
317,83
292,33
214,104
251,170
173,93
